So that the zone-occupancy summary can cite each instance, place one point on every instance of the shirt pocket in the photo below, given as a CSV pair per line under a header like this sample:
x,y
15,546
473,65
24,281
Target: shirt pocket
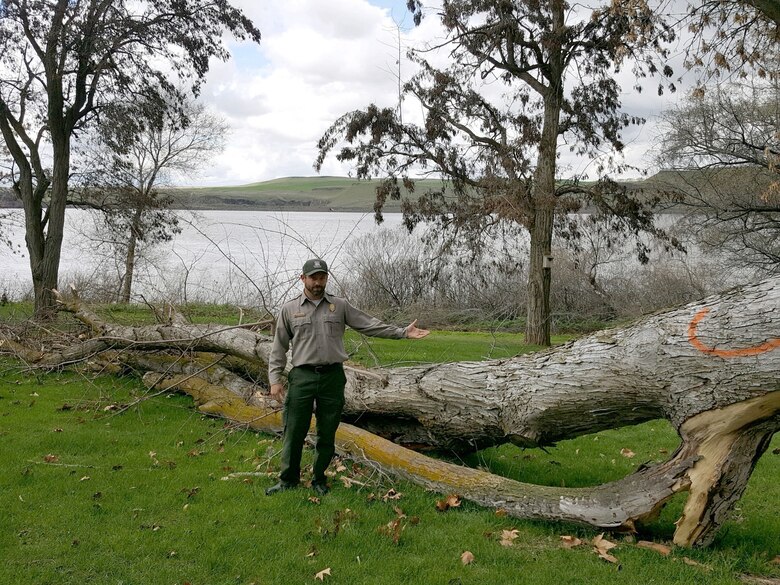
x,y
302,326
334,328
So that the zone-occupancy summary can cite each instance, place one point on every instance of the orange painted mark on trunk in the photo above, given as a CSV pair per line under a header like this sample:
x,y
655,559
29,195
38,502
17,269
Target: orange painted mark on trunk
x,y
726,353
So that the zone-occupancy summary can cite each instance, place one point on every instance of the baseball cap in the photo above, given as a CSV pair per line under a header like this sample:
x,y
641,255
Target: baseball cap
x,y
315,265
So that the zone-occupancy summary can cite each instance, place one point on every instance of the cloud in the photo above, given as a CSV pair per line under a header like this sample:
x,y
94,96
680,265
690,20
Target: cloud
x,y
318,60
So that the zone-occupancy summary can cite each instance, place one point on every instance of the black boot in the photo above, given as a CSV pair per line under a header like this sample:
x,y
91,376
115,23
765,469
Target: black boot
x,y
320,487
280,487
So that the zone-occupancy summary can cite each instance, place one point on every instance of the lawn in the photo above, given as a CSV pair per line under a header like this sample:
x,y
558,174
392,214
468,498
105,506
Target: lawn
x,y
104,484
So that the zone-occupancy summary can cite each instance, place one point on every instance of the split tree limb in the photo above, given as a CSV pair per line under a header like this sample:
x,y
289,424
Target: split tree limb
x,y
710,368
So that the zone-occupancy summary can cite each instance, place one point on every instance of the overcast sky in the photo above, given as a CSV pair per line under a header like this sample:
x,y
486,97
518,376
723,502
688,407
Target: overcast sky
x,y
317,60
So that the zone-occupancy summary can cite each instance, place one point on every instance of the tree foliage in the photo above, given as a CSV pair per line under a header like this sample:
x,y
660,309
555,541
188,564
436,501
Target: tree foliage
x,y
523,79
731,38
63,63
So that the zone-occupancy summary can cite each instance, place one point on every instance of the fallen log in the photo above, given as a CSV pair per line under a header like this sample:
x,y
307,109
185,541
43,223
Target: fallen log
x,y
710,368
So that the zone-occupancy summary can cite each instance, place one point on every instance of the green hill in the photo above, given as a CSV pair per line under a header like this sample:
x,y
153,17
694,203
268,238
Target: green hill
x,y
291,194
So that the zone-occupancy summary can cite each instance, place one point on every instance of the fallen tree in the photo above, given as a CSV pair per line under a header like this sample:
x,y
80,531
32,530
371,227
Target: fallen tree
x,y
710,368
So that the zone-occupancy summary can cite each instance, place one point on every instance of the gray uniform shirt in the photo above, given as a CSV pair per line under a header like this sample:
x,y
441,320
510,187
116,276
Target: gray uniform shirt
x,y
316,332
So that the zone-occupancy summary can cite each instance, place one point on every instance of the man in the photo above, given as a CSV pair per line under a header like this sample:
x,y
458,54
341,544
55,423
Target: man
x,y
314,325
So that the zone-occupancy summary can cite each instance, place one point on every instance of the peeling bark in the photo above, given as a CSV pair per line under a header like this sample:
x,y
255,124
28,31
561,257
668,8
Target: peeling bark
x,y
710,368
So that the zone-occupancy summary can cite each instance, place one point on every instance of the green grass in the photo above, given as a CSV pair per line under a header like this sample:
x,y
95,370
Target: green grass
x,y
441,346
93,493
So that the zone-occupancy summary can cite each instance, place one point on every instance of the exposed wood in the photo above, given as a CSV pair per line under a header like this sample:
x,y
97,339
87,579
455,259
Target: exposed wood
x,y
727,443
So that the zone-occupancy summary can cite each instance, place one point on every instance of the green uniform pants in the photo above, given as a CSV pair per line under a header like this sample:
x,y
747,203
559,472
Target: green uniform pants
x,y
321,392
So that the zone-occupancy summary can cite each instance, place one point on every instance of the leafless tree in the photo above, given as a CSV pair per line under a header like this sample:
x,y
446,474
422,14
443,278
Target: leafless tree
x,y
722,151
130,161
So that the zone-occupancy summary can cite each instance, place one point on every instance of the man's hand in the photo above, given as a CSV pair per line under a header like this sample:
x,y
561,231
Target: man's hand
x,y
412,332
277,392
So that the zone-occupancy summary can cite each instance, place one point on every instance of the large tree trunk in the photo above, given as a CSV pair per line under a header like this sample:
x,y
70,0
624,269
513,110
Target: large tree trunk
x,y
710,368
543,189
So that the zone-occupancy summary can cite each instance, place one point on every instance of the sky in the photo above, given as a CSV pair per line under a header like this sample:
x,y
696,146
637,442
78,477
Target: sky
x,y
317,60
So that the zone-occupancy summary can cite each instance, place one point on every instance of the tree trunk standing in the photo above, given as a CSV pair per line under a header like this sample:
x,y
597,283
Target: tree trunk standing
x,y
132,241
48,228
537,330
543,190
34,235
770,8
45,271
30,187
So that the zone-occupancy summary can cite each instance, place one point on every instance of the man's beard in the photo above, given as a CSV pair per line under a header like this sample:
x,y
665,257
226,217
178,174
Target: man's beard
x,y
316,291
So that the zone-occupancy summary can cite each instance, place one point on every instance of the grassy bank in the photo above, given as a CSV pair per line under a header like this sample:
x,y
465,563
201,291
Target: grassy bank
x,y
104,484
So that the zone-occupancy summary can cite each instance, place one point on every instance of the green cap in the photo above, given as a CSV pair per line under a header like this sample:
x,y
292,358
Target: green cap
x,y
313,266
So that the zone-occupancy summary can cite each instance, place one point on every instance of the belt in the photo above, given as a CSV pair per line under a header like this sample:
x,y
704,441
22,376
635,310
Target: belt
x,y
320,368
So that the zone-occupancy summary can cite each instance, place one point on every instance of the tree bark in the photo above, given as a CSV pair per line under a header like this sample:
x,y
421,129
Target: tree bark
x,y
541,223
769,8
710,368
132,241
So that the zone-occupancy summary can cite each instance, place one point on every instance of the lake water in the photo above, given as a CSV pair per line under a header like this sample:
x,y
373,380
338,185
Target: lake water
x,y
232,257
223,256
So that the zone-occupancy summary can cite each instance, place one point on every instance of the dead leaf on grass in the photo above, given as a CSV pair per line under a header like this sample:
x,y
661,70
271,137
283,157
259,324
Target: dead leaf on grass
x,y
508,537
451,501
50,458
603,543
657,547
349,482
602,546
392,495
606,556
570,541
321,574
627,452
393,529
467,557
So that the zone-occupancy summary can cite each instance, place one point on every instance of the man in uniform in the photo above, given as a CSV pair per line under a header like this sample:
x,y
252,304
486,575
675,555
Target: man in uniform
x,y
314,324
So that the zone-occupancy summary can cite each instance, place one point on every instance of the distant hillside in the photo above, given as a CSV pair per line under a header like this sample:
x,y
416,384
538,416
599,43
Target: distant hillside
x,y
346,194
291,194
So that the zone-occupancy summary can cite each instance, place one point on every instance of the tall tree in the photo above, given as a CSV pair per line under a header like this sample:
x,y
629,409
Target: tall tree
x,y
524,78
62,62
129,160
